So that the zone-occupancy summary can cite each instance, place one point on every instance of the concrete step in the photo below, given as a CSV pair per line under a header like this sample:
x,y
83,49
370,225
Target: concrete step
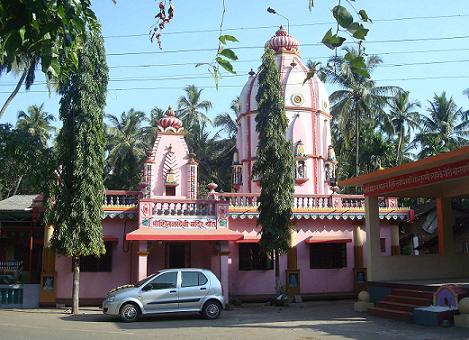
x,y
414,293
390,313
408,299
405,307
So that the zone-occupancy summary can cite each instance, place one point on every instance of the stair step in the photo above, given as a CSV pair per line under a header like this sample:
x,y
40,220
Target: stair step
x,y
413,293
406,307
408,299
390,313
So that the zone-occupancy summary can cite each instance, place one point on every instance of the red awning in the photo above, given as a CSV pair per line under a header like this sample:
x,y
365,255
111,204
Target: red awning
x,y
249,240
327,239
158,234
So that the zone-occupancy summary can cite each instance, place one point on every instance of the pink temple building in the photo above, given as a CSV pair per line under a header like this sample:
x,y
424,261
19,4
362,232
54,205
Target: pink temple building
x,y
167,224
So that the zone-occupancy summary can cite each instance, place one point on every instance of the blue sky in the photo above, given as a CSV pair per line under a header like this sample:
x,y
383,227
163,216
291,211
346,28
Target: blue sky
x,y
431,35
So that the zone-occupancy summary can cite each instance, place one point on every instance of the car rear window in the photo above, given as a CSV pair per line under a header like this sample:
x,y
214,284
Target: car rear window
x,y
192,279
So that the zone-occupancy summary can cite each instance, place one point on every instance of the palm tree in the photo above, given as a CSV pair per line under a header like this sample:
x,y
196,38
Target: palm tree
x,y
401,119
445,128
126,149
226,122
359,101
191,107
27,69
36,122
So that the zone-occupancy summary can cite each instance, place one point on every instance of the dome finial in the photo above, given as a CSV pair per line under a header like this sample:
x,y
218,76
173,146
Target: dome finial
x,y
282,42
170,122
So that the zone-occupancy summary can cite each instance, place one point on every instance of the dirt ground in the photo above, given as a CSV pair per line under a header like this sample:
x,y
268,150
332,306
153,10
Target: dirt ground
x,y
302,321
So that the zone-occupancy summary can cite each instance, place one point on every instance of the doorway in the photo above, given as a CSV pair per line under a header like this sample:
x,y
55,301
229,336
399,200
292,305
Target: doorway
x,y
178,255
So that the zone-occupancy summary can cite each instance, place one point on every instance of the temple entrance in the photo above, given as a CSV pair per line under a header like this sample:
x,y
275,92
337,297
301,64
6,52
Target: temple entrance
x,y
178,255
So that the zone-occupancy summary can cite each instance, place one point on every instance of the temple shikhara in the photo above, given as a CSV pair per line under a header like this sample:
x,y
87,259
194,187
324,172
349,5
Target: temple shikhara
x,y
167,224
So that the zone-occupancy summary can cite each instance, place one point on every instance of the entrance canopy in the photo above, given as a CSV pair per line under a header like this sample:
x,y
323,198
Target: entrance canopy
x,y
180,234
443,175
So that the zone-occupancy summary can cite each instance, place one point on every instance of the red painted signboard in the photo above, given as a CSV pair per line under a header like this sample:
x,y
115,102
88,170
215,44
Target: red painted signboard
x,y
417,179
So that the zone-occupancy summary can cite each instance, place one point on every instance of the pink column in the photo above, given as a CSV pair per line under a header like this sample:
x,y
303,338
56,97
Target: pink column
x,y
142,260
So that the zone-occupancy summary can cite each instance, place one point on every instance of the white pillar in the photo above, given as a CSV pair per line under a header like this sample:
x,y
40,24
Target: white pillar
x,y
372,235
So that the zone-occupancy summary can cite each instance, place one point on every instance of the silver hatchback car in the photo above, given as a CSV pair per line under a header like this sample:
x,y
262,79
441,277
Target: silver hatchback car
x,y
168,291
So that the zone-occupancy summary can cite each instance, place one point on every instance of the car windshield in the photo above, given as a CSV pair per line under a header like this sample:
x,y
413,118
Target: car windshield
x,y
141,282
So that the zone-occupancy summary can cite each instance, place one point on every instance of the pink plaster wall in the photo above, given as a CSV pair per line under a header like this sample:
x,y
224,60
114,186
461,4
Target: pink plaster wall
x,y
179,147
313,281
96,285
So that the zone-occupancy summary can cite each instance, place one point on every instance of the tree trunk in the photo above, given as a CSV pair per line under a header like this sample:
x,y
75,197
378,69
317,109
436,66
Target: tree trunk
x,y
399,145
277,273
76,285
15,91
357,142
17,185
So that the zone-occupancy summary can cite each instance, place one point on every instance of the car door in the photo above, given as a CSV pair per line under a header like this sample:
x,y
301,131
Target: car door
x,y
160,295
194,287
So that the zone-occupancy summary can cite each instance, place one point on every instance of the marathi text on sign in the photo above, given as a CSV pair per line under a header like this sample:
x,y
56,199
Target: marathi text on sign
x,y
184,223
409,181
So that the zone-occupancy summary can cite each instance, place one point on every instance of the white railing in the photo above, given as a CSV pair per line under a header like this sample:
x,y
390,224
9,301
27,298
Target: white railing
x,y
306,202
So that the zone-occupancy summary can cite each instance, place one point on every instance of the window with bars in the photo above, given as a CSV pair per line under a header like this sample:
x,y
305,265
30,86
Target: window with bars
x,y
328,255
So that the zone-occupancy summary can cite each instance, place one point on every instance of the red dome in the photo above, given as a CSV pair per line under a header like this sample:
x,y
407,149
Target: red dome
x,y
170,120
282,42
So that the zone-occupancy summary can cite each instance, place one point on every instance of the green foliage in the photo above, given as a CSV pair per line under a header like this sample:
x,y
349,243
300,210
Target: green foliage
x,y
191,108
445,128
37,123
346,24
274,164
80,189
25,160
401,120
359,104
127,144
51,31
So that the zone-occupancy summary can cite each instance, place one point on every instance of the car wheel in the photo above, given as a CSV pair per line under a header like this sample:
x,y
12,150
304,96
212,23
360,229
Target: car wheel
x,y
211,310
129,312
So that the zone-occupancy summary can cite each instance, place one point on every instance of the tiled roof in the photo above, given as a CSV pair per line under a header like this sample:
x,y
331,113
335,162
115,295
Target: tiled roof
x,y
17,203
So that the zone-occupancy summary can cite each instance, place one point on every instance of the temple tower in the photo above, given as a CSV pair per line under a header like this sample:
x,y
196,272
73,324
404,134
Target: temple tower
x,y
307,110
170,170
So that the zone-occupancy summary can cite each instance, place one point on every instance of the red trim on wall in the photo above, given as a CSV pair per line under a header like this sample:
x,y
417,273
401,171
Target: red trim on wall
x,y
167,235
249,240
110,238
331,239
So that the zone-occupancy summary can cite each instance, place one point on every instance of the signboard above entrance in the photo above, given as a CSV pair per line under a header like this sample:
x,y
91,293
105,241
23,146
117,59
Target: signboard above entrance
x,y
184,223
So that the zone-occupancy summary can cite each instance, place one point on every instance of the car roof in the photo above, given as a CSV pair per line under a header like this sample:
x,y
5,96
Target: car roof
x,y
177,269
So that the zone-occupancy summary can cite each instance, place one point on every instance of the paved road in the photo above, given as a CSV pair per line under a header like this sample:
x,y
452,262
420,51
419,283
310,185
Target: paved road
x,y
305,321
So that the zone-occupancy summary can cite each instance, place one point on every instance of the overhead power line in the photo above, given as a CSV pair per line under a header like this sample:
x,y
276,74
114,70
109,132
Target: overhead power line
x,y
239,86
117,54
305,58
230,29
243,73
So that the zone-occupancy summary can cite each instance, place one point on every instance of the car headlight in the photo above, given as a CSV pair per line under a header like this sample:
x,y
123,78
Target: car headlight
x,y
110,298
